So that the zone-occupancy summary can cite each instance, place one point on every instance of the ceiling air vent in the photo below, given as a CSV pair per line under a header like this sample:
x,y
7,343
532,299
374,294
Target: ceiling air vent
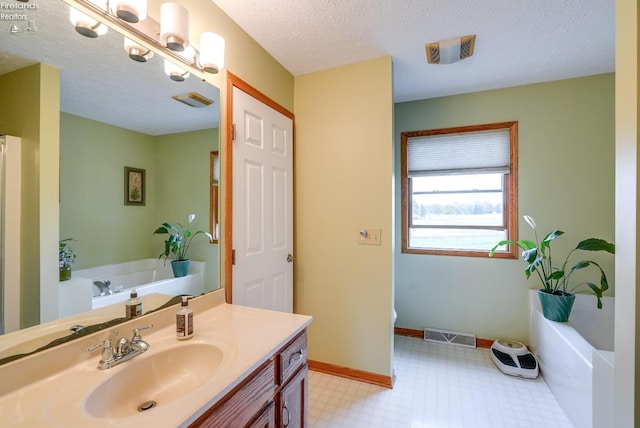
x,y
450,50
193,99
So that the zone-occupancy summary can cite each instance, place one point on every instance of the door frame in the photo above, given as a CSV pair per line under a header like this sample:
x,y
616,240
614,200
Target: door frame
x,y
234,81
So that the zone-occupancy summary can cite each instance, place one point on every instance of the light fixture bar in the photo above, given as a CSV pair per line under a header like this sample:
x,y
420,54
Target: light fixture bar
x,y
144,33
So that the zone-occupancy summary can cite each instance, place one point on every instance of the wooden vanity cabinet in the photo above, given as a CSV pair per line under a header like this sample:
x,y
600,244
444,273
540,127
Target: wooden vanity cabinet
x,y
244,404
291,401
292,389
274,395
266,419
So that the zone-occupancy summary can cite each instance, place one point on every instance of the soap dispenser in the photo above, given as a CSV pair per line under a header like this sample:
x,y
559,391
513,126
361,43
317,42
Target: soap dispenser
x,y
184,321
133,307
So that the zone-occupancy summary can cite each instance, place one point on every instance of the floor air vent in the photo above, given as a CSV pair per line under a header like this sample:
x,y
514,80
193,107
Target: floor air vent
x,y
450,337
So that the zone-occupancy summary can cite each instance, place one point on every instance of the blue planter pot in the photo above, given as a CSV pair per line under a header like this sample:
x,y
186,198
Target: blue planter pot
x,y
180,267
556,307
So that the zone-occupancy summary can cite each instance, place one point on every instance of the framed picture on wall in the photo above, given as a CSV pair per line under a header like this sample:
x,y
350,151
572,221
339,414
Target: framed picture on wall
x,y
134,190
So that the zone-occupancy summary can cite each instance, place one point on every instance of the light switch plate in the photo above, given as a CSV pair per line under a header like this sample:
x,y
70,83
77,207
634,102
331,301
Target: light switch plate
x,y
369,236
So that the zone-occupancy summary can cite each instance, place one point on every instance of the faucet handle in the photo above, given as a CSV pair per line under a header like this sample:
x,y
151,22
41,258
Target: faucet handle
x,y
104,344
136,332
107,353
107,350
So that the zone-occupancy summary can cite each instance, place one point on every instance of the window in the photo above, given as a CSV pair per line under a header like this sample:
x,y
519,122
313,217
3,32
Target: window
x,y
459,190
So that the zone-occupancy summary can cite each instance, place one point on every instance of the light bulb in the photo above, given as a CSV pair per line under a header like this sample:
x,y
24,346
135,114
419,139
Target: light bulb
x,y
86,25
129,10
174,72
136,51
174,26
211,57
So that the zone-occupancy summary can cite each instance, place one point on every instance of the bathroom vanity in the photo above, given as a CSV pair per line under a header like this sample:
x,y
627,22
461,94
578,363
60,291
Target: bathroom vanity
x,y
274,395
243,367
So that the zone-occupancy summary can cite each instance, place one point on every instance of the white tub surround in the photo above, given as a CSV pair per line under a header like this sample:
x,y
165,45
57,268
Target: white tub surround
x,y
74,296
55,395
603,383
566,356
146,276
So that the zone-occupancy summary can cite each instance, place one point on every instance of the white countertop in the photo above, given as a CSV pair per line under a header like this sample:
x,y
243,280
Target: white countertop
x,y
247,336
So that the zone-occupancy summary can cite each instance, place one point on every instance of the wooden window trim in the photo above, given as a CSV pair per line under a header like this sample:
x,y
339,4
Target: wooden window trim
x,y
510,194
214,197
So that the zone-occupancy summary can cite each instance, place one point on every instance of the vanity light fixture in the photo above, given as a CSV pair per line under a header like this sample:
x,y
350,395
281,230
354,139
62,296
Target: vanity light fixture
x,y
177,73
211,58
169,38
174,26
136,51
450,50
174,72
129,10
86,25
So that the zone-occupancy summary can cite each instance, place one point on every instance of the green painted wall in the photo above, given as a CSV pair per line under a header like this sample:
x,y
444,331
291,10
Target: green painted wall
x,y
92,210
29,109
182,188
566,181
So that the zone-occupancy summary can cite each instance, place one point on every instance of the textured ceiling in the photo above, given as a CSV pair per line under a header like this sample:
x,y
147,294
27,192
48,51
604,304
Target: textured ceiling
x,y
99,81
518,42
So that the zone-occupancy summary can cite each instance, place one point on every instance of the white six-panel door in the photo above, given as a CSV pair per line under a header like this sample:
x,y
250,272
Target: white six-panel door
x,y
262,205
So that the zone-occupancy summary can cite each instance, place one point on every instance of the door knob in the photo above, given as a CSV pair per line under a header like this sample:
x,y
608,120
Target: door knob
x,y
289,258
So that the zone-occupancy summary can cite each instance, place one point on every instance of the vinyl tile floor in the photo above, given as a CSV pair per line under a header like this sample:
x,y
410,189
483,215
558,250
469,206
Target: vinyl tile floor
x,y
437,386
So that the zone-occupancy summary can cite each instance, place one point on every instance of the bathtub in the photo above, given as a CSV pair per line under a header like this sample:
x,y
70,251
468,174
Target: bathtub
x,y
566,353
146,276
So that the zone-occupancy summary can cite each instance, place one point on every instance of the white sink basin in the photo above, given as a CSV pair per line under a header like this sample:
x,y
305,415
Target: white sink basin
x,y
146,382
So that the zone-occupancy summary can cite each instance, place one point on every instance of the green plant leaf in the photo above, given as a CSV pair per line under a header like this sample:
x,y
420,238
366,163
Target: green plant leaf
x,y
546,241
556,275
523,244
533,266
596,244
531,255
597,292
556,279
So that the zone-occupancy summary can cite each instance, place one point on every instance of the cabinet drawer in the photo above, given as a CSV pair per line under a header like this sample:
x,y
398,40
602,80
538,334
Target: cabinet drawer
x,y
292,357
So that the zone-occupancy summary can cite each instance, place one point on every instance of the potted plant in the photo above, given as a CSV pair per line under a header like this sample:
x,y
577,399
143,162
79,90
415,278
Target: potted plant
x,y
66,256
178,243
556,296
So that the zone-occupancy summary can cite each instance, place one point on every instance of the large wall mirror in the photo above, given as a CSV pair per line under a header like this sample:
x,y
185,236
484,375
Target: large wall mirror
x,y
114,113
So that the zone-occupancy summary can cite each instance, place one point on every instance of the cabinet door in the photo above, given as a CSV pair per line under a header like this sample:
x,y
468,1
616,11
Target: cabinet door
x,y
266,419
243,403
292,401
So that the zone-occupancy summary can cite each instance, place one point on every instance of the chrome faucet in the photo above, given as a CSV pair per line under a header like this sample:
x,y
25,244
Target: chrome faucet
x,y
103,286
124,351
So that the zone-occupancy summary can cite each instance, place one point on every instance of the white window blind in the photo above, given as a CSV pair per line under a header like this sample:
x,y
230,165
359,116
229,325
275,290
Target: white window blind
x,y
466,152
